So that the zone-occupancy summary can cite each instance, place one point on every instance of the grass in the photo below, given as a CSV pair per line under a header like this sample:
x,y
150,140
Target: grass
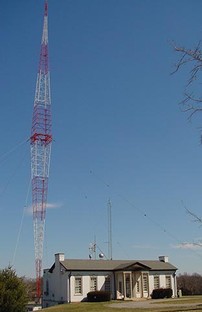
x,y
111,307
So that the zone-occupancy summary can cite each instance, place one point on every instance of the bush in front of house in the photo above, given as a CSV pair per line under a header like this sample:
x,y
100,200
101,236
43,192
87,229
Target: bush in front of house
x,y
162,293
98,296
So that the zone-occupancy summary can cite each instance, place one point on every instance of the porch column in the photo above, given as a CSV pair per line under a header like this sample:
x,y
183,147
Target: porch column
x,y
142,292
124,285
148,286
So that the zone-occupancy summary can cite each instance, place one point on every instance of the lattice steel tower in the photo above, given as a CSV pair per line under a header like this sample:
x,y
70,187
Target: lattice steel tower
x,y
40,141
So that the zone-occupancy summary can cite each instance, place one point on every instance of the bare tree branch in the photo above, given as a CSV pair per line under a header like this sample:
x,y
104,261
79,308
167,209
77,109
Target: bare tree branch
x,y
191,103
194,99
195,217
188,56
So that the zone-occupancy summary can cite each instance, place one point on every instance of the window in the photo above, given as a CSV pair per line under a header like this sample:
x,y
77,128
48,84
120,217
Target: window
x,y
138,286
78,285
156,282
107,283
145,282
93,283
168,281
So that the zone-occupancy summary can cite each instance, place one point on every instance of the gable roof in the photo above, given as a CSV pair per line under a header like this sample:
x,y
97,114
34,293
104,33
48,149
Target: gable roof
x,y
115,265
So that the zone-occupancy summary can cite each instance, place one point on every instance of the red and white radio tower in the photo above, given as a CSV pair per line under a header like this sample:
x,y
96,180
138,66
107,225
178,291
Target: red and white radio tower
x,y
40,141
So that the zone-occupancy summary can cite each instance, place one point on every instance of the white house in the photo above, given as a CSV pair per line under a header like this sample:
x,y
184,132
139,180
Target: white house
x,y
69,280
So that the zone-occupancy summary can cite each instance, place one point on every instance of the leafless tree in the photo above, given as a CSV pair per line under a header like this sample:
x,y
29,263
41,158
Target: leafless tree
x,y
192,101
190,284
192,59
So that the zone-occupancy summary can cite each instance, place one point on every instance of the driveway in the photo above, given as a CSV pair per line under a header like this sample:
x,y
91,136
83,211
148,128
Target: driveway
x,y
152,303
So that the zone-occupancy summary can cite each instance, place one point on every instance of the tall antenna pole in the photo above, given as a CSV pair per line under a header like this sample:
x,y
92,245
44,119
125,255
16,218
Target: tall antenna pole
x,y
109,205
40,142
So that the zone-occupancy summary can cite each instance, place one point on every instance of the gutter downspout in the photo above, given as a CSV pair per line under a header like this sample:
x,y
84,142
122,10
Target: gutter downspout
x,y
69,287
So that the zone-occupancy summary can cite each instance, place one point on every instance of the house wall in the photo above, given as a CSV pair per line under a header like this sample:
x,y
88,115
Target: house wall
x,y
55,286
86,283
59,282
162,280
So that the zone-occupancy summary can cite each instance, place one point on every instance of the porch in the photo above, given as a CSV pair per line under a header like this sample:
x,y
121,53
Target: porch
x,y
132,285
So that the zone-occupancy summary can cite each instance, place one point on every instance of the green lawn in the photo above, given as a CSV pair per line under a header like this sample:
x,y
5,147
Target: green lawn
x,y
106,307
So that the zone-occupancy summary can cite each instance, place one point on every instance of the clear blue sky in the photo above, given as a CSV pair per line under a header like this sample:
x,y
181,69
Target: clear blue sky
x,y
118,131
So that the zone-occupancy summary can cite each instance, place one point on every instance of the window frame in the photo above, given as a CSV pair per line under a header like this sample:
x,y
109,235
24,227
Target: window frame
x,y
93,283
145,282
78,289
156,282
168,281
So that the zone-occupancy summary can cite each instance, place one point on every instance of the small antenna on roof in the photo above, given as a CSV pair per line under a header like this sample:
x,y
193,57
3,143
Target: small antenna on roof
x,y
92,249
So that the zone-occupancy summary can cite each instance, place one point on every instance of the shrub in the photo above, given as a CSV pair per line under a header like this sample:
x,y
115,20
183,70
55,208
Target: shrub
x,y
98,296
161,293
13,295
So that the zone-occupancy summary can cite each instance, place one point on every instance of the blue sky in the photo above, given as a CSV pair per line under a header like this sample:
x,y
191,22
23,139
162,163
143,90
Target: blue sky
x,y
117,127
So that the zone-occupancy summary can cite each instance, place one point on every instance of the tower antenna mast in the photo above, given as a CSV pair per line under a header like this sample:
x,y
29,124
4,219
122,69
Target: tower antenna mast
x,y
40,143
109,206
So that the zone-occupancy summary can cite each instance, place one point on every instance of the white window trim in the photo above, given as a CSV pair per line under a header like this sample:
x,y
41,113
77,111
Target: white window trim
x,y
78,293
156,277
145,282
168,277
93,283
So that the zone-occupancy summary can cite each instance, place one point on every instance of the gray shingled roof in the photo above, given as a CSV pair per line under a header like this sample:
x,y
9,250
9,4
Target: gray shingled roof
x,y
114,265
